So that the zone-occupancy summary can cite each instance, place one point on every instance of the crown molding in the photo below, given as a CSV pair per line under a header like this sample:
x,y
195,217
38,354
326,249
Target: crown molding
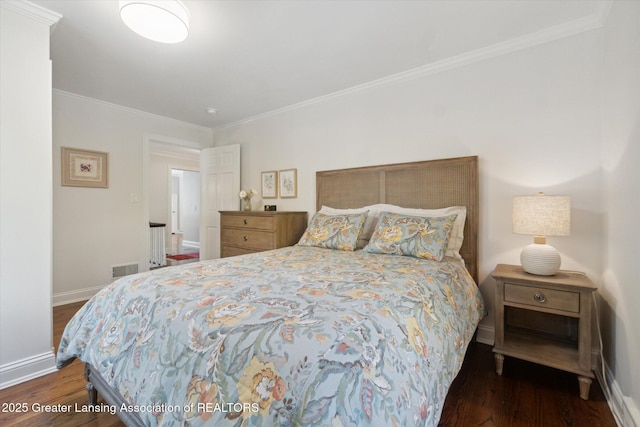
x,y
32,10
588,23
126,109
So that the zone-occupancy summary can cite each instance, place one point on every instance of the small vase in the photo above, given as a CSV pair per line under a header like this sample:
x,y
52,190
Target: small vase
x,y
246,204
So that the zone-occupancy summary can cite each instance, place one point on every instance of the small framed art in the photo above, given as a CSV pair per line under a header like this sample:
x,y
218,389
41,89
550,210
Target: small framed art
x,y
85,168
288,183
269,184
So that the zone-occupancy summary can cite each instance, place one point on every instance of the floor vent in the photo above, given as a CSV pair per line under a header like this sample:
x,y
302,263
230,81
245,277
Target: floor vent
x,y
124,270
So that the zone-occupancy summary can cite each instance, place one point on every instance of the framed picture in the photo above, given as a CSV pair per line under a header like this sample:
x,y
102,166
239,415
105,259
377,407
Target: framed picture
x,y
269,184
288,183
84,168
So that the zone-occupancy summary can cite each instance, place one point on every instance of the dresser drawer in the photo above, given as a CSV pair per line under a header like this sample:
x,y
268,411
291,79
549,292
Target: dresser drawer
x,y
243,232
245,238
541,297
249,221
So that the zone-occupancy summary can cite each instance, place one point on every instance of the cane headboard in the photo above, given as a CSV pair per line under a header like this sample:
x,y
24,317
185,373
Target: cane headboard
x,y
428,184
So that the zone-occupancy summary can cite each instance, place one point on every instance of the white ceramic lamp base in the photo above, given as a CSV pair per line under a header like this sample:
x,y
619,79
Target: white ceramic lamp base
x,y
540,259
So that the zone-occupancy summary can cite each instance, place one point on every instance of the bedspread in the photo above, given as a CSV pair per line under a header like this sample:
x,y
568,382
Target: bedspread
x,y
295,336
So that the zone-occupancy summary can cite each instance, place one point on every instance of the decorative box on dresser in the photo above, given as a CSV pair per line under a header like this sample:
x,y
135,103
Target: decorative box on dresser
x,y
245,232
545,320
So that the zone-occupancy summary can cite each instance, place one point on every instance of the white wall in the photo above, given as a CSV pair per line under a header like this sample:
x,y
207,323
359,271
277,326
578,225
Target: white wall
x,y
96,229
25,194
531,116
620,291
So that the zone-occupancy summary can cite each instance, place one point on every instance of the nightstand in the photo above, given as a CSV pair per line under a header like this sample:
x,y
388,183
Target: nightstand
x,y
545,320
245,232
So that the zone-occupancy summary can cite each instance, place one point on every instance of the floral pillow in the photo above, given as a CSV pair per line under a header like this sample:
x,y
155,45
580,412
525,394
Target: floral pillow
x,y
420,237
334,231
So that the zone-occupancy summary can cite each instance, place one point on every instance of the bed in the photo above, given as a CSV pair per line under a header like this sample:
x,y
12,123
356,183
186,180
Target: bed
x,y
337,330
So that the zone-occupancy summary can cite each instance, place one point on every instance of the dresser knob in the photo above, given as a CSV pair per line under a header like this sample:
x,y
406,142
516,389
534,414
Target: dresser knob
x,y
245,238
245,221
539,297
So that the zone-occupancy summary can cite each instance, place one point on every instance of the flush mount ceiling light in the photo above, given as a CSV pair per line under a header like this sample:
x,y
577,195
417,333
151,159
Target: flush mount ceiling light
x,y
164,21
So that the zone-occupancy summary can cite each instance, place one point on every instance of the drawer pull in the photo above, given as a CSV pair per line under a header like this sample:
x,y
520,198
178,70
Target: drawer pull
x,y
245,221
539,297
245,238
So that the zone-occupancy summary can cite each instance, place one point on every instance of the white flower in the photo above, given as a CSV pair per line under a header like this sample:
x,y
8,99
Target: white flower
x,y
247,194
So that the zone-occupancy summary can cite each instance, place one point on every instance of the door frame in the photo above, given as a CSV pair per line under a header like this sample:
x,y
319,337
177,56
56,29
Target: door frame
x,y
147,140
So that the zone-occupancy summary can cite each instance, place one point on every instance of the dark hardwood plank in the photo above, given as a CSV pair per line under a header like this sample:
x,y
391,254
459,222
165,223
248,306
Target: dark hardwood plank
x,y
525,395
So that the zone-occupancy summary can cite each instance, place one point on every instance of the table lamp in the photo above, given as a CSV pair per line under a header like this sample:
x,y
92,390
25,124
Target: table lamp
x,y
541,216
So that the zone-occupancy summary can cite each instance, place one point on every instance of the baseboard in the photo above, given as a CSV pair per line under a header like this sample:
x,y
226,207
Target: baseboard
x,y
486,334
27,369
624,410
62,298
631,412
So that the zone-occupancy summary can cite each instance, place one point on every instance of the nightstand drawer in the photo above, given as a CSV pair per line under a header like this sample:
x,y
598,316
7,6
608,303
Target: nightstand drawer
x,y
541,297
249,221
247,238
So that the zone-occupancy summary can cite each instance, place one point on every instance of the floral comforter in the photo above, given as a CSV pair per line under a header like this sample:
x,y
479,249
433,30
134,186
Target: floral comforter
x,y
292,337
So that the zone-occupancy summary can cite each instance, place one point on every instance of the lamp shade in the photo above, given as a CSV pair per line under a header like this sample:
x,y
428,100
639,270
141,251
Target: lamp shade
x,y
165,21
542,215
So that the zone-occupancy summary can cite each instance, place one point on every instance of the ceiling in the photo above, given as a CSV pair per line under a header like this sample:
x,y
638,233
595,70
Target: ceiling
x,y
248,58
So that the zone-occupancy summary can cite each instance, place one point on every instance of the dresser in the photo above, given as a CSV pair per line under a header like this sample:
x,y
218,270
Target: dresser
x,y
245,232
545,320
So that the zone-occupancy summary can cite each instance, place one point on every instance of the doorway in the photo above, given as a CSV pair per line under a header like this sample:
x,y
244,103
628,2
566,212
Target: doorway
x,y
219,186
185,211
162,155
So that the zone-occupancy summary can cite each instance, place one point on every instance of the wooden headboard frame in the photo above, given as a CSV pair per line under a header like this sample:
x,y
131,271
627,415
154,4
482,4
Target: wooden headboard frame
x,y
428,184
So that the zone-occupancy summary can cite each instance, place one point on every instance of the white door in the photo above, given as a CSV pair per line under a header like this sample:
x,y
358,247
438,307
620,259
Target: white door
x,y
174,213
220,185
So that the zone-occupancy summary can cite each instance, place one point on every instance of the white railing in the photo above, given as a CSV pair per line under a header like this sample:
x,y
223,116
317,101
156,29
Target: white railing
x,y
157,254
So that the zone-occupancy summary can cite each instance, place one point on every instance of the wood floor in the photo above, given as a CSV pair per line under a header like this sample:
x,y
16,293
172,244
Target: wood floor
x,y
525,395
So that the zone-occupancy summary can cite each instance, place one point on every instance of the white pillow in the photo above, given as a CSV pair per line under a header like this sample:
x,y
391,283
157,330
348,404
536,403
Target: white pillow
x,y
455,239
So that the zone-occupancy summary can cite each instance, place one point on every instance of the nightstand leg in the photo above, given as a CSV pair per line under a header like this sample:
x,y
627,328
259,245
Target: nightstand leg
x,y
585,385
92,394
499,363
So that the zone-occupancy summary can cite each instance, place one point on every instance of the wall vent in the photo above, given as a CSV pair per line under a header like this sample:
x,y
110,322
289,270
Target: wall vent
x,y
124,270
